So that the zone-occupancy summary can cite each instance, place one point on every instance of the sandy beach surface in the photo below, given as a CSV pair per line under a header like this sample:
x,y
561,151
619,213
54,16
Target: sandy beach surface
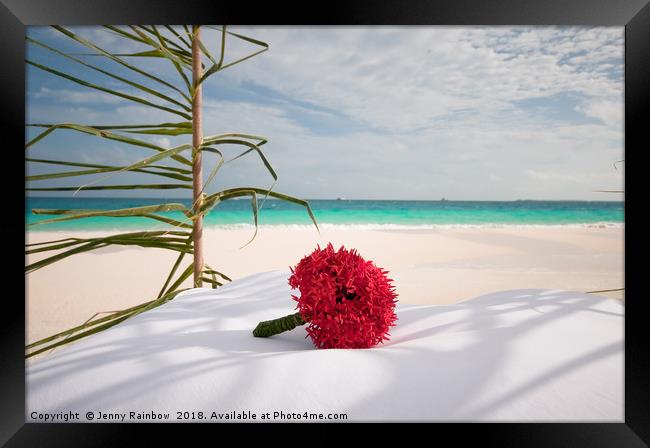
x,y
438,266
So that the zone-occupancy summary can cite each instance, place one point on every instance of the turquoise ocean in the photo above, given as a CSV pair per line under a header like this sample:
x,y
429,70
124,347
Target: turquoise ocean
x,y
362,214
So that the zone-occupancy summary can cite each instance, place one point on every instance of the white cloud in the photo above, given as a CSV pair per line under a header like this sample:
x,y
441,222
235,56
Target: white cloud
x,y
77,96
100,36
164,142
108,154
608,111
433,111
399,79
236,116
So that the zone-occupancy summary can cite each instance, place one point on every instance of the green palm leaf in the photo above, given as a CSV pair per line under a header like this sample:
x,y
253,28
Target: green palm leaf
x,y
143,239
112,75
212,200
218,67
182,47
134,211
94,165
117,187
120,61
107,90
103,133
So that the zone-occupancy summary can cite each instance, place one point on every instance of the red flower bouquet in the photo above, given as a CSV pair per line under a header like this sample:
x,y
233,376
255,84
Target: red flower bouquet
x,y
346,301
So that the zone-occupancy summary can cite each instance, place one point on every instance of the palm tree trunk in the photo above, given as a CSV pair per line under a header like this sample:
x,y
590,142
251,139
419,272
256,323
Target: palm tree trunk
x,y
197,165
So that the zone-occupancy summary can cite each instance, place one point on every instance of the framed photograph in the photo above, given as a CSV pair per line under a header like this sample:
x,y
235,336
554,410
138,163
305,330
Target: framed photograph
x,y
370,214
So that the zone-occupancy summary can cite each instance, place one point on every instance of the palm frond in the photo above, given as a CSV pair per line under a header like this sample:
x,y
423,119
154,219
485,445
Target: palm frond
x,y
182,47
120,61
112,75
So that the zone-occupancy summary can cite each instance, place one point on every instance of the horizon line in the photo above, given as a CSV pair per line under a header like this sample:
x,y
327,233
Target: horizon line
x,y
344,199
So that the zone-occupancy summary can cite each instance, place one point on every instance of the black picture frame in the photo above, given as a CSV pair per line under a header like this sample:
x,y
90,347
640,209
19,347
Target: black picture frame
x,y
15,15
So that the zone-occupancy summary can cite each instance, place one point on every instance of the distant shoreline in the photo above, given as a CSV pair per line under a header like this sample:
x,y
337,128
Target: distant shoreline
x,y
358,214
184,199
329,226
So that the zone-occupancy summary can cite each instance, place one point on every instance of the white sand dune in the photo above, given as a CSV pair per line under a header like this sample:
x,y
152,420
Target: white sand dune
x,y
517,355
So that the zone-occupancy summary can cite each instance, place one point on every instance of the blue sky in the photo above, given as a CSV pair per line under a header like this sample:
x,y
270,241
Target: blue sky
x,y
468,113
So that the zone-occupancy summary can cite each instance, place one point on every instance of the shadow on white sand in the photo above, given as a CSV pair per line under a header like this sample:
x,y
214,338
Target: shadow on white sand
x,y
516,355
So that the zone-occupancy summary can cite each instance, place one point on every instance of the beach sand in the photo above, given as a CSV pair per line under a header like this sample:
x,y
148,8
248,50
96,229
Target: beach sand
x,y
439,266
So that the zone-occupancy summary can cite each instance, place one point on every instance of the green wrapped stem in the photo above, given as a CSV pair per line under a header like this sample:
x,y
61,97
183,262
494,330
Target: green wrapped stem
x,y
276,326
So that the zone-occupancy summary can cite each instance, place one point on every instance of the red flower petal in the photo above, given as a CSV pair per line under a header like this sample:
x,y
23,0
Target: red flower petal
x,y
347,301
